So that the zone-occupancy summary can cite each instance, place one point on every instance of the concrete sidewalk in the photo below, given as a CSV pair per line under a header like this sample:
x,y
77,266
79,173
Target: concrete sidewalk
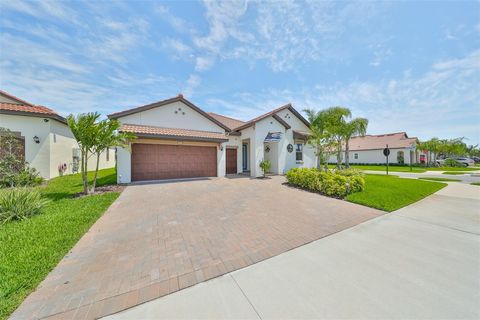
x,y
422,261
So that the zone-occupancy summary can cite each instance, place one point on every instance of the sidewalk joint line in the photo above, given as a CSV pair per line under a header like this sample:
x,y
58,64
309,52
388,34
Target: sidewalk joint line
x,y
250,302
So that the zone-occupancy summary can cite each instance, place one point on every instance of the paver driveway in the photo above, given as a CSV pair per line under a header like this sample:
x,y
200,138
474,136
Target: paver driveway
x,y
159,238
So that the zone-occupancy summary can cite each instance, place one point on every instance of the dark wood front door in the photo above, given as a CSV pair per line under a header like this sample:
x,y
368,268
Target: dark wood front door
x,y
231,161
158,161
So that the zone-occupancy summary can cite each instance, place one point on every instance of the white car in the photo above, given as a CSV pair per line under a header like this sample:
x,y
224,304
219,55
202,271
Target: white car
x,y
465,161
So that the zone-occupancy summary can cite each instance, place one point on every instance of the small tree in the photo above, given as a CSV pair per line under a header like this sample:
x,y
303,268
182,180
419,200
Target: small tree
x,y
84,129
336,126
11,157
94,138
107,136
265,166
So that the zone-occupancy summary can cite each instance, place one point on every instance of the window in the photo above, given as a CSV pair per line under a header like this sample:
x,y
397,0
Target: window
x,y
299,152
355,156
108,154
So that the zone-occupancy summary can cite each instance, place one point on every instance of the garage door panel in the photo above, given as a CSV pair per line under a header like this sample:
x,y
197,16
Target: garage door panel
x,y
155,161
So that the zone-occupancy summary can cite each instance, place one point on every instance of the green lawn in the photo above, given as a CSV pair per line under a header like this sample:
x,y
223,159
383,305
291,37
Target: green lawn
x,y
30,249
439,179
390,168
407,169
453,169
454,172
390,193
475,183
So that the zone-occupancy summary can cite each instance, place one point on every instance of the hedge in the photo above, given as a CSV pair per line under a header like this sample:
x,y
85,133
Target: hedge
x,y
333,183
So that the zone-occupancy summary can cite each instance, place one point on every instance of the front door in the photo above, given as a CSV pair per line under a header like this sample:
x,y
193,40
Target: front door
x,y
231,161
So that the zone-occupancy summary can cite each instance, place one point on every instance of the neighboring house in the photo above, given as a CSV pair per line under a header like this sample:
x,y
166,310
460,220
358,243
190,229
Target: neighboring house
x,y
176,139
369,149
47,141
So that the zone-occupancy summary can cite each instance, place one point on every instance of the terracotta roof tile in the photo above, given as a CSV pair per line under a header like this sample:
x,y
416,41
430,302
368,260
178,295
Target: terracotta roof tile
x,y
173,132
229,122
23,108
375,142
12,97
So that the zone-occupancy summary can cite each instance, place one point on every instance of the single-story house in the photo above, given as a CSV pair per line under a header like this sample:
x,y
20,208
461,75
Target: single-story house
x,y
48,143
368,149
177,139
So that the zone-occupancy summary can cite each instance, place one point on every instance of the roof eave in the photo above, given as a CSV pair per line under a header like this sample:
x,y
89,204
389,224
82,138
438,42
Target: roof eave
x,y
35,114
174,137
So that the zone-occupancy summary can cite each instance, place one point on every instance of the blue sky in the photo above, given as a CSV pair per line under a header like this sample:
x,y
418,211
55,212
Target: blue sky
x,y
406,66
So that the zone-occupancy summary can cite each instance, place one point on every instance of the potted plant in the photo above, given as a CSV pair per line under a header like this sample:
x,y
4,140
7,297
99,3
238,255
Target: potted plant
x,y
265,166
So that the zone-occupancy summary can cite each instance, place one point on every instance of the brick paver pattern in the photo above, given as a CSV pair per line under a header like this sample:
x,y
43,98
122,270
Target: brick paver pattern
x,y
160,238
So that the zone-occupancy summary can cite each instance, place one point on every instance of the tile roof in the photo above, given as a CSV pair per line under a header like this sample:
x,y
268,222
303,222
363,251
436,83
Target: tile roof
x,y
24,108
229,122
172,133
375,142
12,97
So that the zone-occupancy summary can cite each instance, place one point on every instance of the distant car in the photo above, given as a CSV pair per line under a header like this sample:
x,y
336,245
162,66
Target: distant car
x,y
465,161
476,159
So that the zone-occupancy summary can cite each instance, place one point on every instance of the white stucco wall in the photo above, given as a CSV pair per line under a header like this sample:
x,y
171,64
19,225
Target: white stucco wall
x,y
55,147
62,143
309,159
124,163
165,116
374,156
262,128
37,155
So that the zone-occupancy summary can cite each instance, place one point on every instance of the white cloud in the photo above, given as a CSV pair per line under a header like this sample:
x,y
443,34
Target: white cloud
x,y
444,102
193,82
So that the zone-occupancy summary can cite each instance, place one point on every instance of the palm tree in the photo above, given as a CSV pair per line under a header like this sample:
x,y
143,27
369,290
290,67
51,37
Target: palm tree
x,y
336,126
357,126
319,137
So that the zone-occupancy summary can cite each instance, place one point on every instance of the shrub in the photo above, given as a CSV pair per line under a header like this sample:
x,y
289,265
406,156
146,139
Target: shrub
x,y
265,166
26,177
20,204
338,183
453,163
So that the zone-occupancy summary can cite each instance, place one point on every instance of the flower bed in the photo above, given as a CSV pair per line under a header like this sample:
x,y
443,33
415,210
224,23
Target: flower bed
x,y
335,183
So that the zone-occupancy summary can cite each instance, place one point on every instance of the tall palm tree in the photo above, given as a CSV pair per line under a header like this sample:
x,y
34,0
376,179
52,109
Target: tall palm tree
x,y
357,126
336,120
319,137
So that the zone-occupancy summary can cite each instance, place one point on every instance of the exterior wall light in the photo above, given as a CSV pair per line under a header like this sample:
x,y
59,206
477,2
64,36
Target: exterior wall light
x,y
36,139
221,148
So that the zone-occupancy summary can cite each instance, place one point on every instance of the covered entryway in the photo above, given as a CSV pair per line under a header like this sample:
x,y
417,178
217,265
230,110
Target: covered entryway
x,y
231,161
162,161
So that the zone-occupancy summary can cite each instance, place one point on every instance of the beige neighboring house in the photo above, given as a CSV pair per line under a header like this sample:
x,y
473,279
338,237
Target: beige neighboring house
x,y
177,139
47,140
369,149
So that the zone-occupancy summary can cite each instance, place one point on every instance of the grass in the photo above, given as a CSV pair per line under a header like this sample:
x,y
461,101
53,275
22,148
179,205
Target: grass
x,y
390,193
407,168
453,169
454,172
390,168
475,183
439,179
30,249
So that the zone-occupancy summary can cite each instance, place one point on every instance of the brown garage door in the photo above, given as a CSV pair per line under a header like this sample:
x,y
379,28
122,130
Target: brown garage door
x,y
157,161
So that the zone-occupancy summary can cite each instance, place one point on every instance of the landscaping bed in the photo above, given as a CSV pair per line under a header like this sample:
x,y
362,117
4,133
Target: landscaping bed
x,y
390,193
31,248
